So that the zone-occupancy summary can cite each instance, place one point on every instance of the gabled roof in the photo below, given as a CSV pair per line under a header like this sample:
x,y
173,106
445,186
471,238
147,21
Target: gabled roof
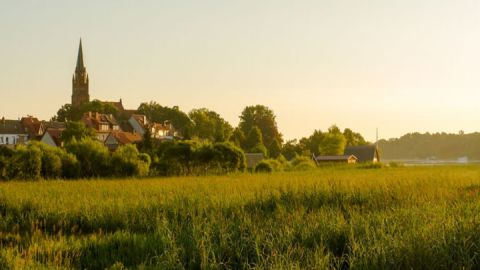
x,y
141,119
364,153
125,137
54,124
33,126
11,127
93,119
55,134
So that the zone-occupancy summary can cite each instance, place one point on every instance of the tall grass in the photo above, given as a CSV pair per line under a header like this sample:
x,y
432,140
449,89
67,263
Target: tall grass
x,y
389,218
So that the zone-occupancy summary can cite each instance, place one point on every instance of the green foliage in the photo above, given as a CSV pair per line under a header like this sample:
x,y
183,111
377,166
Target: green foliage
x,y
92,155
275,149
253,139
262,117
210,126
26,163
264,167
332,144
159,114
69,113
238,138
192,158
77,131
127,161
408,218
291,149
269,165
353,138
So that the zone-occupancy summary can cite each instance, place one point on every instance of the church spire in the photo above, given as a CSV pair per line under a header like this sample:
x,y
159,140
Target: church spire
x,y
80,65
80,81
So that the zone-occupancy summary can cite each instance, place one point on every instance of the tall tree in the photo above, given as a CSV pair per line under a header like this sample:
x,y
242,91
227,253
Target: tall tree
x,y
254,142
353,138
210,126
262,117
332,144
77,131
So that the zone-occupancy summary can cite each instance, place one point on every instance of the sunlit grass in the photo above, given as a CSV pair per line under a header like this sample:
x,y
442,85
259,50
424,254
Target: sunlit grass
x,y
417,217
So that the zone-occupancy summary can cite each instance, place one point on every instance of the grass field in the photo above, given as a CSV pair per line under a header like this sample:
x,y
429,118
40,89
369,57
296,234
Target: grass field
x,y
343,218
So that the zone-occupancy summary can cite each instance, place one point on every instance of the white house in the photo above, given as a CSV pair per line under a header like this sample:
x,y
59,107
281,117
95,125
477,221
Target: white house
x,y
12,132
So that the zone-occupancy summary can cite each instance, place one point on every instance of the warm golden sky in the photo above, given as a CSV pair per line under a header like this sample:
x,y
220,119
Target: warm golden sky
x,y
399,65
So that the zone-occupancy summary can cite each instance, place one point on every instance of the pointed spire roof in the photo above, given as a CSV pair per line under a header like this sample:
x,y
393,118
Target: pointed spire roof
x,y
80,65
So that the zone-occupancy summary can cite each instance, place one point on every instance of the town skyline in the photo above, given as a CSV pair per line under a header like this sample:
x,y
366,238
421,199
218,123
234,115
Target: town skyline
x,y
311,81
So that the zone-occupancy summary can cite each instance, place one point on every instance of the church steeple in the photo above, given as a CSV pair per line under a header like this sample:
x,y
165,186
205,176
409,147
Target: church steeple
x,y
80,81
80,65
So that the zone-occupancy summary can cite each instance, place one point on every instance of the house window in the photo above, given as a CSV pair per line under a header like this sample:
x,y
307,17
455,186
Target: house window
x,y
1,140
7,139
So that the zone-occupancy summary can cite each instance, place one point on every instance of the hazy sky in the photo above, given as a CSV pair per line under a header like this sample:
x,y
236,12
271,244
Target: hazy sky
x,y
399,65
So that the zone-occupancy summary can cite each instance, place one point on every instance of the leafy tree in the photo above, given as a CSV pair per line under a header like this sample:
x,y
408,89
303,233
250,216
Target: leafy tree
x,y
77,131
230,157
238,138
26,163
353,138
93,156
127,161
253,139
332,144
210,126
262,117
157,113
275,149
314,141
69,113
147,144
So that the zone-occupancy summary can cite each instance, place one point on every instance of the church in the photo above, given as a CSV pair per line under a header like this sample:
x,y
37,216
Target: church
x,y
80,84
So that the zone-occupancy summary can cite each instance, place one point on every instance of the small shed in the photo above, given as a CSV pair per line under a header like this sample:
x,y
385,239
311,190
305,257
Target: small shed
x,y
347,159
364,153
253,159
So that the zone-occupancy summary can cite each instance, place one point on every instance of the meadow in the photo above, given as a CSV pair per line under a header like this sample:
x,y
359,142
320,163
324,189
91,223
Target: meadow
x,y
327,218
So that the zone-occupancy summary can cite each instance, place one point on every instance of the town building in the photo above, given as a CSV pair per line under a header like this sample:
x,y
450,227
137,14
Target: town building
x,y
12,133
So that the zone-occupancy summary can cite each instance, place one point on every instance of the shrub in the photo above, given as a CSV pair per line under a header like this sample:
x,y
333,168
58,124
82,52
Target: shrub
x,y
269,165
229,157
93,157
26,163
264,166
127,161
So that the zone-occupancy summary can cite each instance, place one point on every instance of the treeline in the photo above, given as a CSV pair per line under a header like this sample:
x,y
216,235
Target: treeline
x,y
210,146
257,131
88,158
432,145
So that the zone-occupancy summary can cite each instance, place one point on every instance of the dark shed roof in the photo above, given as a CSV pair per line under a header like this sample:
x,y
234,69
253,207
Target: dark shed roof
x,y
364,153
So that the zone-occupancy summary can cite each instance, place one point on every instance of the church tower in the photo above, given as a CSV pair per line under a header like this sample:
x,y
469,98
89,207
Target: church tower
x,y
80,81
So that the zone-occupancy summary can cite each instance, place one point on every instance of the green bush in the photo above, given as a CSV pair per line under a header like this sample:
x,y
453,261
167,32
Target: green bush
x,y
264,166
269,165
26,163
93,157
127,161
